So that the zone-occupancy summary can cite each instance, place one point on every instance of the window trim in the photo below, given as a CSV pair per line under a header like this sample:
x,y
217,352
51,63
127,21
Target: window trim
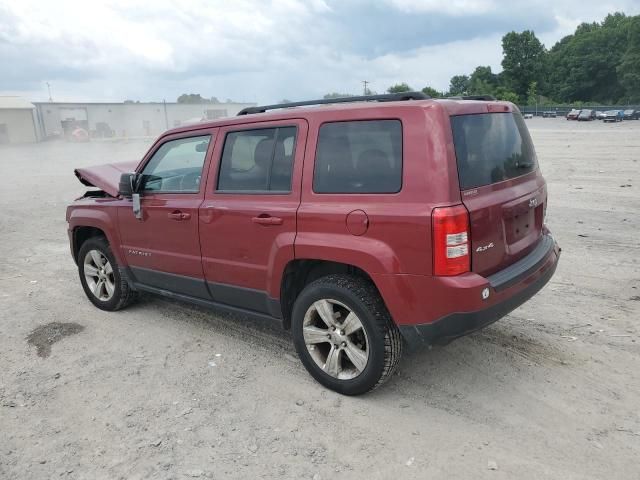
x,y
204,133
216,188
382,119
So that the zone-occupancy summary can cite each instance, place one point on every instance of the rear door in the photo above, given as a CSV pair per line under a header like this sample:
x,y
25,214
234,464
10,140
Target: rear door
x,y
248,218
501,187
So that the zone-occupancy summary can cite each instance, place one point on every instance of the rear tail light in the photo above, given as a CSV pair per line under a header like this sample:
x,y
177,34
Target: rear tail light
x,y
450,240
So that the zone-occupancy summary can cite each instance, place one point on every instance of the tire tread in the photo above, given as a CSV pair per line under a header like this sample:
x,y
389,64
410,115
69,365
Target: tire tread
x,y
126,294
368,294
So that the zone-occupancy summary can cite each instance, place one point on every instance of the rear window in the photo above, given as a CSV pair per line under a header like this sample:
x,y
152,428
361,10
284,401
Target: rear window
x,y
491,147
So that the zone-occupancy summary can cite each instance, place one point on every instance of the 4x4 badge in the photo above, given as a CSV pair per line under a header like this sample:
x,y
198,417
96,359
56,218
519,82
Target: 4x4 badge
x,y
484,247
533,202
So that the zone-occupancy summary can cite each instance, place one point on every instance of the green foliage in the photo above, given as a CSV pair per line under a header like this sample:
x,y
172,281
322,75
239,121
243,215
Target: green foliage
x,y
587,65
523,61
459,85
432,92
482,82
599,63
532,93
629,68
336,95
399,88
503,93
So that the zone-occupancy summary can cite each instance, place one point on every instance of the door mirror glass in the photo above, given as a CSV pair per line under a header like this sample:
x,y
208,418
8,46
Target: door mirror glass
x,y
127,185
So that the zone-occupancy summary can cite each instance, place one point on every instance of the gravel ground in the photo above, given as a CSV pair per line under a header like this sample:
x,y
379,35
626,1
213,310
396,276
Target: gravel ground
x,y
169,390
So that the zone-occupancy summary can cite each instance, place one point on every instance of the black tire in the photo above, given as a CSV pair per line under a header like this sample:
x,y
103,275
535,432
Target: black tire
x,y
123,295
383,337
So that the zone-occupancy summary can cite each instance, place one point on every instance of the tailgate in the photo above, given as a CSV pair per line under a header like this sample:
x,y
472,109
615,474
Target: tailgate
x,y
501,187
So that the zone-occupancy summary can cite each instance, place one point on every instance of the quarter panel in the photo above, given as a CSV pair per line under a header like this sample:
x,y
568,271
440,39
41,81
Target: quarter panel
x,y
398,237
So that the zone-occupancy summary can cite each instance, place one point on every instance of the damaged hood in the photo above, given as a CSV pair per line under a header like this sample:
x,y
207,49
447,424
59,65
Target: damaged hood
x,y
105,177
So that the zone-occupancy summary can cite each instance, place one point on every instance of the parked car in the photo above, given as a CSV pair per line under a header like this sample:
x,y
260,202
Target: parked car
x,y
631,114
370,225
613,116
549,114
573,114
528,116
600,115
586,115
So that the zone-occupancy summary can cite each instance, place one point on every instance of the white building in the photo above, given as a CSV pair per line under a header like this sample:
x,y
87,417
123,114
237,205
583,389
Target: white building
x,y
127,119
18,121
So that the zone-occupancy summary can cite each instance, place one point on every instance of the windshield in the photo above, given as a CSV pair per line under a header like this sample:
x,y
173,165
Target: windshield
x,y
491,147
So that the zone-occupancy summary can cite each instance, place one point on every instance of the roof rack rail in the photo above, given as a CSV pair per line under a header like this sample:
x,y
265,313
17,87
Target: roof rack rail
x,y
486,98
389,97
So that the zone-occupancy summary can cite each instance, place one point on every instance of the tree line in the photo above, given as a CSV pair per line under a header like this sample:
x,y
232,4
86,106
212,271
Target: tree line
x,y
598,63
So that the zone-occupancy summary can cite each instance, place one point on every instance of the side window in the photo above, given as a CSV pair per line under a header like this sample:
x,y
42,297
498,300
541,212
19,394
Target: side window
x,y
258,160
176,166
359,157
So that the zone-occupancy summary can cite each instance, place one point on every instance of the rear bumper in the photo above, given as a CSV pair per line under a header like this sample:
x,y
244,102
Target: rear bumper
x,y
454,306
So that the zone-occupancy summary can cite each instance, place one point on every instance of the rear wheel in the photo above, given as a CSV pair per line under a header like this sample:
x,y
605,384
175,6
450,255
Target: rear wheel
x,y
344,334
102,281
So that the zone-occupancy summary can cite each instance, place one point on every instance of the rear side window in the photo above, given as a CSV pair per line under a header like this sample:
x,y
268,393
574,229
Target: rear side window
x,y
258,160
491,147
359,157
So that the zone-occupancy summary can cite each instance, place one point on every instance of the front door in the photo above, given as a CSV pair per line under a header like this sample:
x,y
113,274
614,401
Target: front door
x,y
163,247
248,217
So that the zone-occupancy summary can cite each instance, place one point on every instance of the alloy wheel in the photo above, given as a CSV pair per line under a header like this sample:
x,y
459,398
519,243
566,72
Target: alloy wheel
x,y
98,274
335,338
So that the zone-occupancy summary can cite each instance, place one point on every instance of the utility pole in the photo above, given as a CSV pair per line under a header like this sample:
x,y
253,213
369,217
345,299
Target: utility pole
x,y
166,118
365,83
49,89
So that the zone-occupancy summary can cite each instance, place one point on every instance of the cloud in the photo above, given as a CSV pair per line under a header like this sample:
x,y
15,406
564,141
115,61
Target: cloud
x,y
452,7
262,50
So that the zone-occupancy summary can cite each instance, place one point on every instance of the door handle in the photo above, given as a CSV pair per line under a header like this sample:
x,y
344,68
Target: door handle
x,y
267,220
178,215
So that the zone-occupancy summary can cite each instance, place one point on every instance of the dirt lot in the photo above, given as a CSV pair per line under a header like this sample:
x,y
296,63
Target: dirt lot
x,y
168,390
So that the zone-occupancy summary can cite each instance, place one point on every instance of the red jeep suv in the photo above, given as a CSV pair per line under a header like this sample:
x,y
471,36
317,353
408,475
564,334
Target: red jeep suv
x,y
364,224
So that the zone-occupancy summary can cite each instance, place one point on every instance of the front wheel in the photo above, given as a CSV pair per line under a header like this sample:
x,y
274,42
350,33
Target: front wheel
x,y
102,281
344,334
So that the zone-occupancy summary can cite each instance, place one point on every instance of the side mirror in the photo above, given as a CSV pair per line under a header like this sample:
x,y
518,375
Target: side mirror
x,y
127,185
202,147
128,189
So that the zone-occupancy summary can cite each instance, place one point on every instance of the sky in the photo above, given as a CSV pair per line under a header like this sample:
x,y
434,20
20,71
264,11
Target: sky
x,y
263,51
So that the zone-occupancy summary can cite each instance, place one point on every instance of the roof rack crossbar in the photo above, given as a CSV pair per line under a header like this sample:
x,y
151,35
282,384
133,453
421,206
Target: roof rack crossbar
x,y
486,98
390,97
